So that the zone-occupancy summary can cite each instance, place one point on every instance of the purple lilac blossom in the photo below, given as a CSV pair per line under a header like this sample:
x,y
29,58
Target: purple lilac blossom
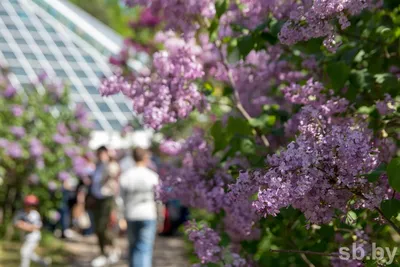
x,y
201,183
205,241
170,147
314,20
17,110
79,166
386,106
179,15
10,92
36,147
14,150
63,176
72,151
62,129
62,140
170,92
17,131
319,171
146,20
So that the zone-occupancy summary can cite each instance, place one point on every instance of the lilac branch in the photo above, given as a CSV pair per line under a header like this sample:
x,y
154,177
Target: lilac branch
x,y
394,226
237,101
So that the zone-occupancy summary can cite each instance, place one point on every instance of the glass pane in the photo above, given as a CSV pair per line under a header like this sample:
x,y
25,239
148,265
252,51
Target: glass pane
x,y
123,107
98,126
115,124
103,107
18,71
92,90
61,74
9,55
80,73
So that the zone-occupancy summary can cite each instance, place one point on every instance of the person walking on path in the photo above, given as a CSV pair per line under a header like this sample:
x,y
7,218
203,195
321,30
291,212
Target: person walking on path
x,y
103,189
137,186
30,223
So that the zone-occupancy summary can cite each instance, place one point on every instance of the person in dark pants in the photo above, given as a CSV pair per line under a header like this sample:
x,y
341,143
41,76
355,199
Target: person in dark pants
x,y
137,186
103,190
69,187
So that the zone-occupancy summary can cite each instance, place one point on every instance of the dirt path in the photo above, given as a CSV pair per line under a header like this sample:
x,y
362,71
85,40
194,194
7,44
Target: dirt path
x,y
169,251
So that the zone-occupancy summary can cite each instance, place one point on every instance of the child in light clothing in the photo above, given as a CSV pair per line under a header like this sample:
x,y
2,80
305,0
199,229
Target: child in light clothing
x,y
30,223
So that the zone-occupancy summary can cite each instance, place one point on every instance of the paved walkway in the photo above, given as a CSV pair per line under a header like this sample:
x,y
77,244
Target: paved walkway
x,y
169,251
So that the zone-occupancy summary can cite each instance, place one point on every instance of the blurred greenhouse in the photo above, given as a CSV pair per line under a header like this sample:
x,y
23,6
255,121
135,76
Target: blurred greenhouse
x,y
59,39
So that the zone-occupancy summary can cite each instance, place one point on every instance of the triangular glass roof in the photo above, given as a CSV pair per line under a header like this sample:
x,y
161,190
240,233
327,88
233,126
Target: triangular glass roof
x,y
55,37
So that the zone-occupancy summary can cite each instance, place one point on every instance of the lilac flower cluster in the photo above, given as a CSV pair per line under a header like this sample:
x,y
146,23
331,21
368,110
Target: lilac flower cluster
x,y
323,169
18,131
252,13
12,149
386,106
306,94
17,110
250,76
313,20
337,262
206,245
201,182
79,166
179,15
62,137
305,19
146,20
9,92
36,148
170,91
171,148
81,116
206,242
63,176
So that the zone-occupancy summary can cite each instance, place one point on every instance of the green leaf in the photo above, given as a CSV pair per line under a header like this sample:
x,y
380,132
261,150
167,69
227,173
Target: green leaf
x,y
247,146
270,38
359,78
339,73
213,30
238,126
351,217
245,44
366,110
390,207
208,88
326,231
393,173
375,174
220,139
263,121
221,7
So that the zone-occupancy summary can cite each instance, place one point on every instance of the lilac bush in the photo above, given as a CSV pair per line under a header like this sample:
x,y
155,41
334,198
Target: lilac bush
x,y
298,102
35,147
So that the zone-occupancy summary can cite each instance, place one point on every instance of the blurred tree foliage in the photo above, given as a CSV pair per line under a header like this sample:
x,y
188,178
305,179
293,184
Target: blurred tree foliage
x,y
110,12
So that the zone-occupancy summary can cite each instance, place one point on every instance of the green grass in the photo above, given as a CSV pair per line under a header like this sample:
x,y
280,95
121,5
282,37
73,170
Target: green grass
x,y
49,247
